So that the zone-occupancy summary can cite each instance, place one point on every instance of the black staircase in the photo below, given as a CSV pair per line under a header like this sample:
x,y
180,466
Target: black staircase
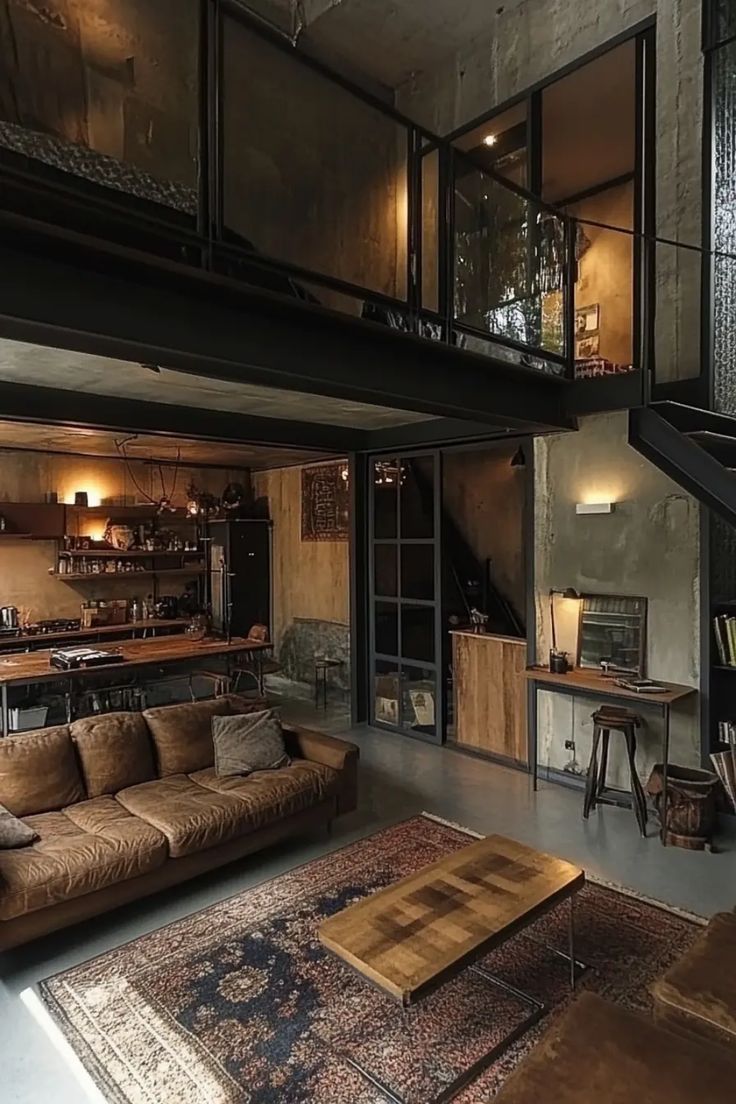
x,y
696,448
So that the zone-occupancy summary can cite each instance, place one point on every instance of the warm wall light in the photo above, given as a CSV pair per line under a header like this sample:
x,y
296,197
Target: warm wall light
x,y
81,498
594,507
489,140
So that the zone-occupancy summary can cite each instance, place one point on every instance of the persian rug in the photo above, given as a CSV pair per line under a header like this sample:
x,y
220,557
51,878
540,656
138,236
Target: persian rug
x,y
240,1004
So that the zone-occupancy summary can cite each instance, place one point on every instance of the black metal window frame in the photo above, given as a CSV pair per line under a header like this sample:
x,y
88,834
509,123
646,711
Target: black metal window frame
x,y
644,259
400,661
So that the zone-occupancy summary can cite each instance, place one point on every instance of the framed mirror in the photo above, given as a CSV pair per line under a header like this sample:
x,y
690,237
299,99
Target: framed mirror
x,y
613,630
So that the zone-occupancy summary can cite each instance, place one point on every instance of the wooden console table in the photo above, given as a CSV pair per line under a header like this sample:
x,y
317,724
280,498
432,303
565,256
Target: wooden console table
x,y
584,683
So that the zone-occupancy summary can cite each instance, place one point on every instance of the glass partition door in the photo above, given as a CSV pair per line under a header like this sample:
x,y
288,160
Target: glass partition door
x,y
405,611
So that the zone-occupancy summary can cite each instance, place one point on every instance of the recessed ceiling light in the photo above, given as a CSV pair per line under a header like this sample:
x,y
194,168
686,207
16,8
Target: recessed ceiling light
x,y
489,140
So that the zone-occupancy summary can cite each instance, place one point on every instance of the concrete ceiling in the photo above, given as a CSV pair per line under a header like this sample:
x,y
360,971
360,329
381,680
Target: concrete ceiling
x,y
148,446
47,367
387,40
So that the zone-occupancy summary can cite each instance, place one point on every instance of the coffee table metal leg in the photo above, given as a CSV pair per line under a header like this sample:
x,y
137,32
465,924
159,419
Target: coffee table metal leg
x,y
572,942
467,1076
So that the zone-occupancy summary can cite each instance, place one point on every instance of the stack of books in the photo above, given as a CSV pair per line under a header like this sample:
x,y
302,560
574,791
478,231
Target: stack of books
x,y
725,630
724,762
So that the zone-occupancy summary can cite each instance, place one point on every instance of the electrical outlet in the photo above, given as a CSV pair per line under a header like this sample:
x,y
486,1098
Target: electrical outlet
x,y
569,745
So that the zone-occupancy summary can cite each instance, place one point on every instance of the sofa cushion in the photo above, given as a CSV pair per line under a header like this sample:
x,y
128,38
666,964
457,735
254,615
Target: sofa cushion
x,y
698,993
248,742
114,751
182,735
192,818
80,849
600,1053
38,772
203,811
273,794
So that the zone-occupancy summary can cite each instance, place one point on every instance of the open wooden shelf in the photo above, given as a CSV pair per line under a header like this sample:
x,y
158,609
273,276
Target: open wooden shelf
x,y
118,554
95,576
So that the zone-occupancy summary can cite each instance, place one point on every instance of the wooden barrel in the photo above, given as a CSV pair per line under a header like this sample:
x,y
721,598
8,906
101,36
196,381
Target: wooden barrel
x,y
692,805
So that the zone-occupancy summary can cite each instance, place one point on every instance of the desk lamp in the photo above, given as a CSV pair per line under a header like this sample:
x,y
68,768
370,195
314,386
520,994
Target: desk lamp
x,y
558,660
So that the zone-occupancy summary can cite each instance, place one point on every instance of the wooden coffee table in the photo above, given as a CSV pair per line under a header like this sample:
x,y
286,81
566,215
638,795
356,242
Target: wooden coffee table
x,y
419,933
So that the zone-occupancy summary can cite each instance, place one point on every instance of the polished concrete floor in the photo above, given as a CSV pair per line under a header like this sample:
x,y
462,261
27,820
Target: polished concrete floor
x,y
400,777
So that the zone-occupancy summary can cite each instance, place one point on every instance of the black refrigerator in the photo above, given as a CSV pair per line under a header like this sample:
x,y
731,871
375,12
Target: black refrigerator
x,y
240,575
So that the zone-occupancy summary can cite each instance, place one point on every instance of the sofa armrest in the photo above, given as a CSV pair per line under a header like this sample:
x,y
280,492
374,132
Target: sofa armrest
x,y
340,755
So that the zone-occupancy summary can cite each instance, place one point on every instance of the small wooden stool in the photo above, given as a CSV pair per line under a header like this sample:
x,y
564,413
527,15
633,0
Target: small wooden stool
x,y
609,719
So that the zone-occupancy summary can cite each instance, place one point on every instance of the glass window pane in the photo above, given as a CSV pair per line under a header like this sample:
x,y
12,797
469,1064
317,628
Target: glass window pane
x,y
108,92
604,289
417,498
386,692
385,486
510,257
387,628
417,633
418,700
313,175
386,570
417,571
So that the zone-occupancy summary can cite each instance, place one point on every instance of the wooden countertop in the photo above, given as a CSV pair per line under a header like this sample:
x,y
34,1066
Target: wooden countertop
x,y
101,630
584,680
489,636
32,667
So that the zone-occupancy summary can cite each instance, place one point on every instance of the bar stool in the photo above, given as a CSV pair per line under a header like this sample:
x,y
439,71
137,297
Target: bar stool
x,y
609,719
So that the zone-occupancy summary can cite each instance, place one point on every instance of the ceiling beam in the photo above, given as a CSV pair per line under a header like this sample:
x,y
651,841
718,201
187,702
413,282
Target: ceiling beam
x,y
54,406
214,327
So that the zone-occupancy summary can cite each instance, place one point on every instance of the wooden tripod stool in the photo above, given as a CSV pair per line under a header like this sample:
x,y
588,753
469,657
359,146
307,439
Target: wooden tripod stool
x,y
609,719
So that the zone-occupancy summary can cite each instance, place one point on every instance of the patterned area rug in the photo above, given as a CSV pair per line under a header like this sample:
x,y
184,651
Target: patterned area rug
x,y
239,1004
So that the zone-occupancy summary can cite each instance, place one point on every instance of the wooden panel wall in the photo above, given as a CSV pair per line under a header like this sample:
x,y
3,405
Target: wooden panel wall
x,y
310,578
490,694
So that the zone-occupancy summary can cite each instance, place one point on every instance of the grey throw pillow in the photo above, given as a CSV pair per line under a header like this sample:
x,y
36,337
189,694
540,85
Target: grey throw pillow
x,y
13,832
248,742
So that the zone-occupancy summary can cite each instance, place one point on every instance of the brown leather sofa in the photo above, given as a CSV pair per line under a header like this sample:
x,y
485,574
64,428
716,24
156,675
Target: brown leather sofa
x,y
126,804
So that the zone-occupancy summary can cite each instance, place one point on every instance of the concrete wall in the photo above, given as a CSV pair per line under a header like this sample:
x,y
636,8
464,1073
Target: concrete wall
x,y
25,581
119,76
310,578
529,42
648,547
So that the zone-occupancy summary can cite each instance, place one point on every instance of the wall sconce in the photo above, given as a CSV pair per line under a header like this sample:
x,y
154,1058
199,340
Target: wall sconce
x,y
81,498
518,460
594,507
558,660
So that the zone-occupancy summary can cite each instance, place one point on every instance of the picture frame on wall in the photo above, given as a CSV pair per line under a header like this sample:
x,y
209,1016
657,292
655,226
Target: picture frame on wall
x,y
587,331
325,502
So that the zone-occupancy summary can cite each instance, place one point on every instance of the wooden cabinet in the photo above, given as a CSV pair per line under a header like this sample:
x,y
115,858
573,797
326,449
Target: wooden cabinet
x,y
490,694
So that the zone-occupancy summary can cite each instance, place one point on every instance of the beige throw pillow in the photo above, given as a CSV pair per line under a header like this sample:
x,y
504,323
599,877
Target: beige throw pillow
x,y
248,742
13,832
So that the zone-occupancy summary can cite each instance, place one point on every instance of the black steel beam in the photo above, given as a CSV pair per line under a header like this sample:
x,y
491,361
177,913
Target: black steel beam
x,y
76,296
683,461
55,406
435,432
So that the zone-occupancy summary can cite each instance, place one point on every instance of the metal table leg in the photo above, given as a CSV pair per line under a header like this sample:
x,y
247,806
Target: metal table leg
x,y
665,769
571,938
